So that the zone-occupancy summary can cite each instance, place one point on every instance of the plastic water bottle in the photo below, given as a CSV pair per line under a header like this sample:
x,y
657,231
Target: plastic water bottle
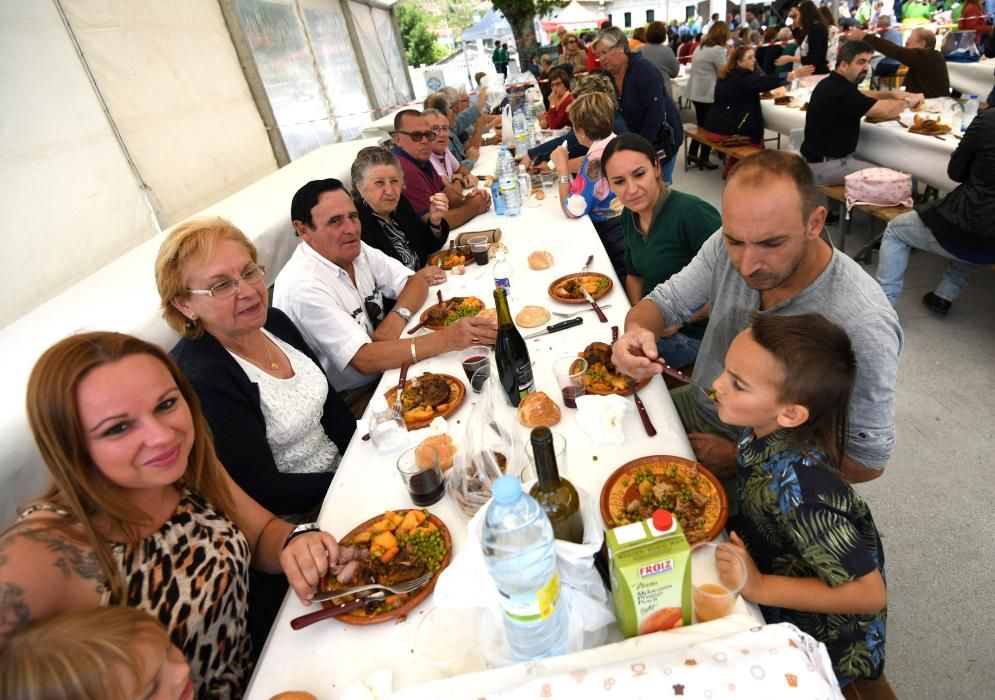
x,y
497,199
387,430
521,134
524,183
970,112
533,126
502,272
508,184
520,554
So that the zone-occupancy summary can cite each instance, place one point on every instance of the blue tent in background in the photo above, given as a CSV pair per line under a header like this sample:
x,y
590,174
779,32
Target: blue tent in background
x,y
491,26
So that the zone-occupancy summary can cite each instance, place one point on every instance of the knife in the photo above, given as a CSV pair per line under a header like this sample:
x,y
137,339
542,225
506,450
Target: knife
x,y
594,305
561,326
334,611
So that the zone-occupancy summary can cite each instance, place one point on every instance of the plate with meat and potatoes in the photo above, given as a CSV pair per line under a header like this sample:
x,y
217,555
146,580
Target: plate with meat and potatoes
x,y
428,396
439,316
570,288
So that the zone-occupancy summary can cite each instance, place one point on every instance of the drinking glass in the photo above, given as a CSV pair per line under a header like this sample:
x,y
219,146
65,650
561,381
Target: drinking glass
x,y
479,379
548,182
569,371
419,468
479,248
559,448
712,597
473,358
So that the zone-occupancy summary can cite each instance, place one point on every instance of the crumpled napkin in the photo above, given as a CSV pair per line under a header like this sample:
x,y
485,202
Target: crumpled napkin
x,y
601,418
379,685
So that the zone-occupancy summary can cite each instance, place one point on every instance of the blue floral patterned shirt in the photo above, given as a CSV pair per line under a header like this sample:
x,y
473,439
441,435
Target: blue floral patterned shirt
x,y
801,519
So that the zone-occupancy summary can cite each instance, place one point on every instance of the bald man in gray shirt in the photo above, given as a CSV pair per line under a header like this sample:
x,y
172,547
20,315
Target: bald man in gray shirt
x,y
770,256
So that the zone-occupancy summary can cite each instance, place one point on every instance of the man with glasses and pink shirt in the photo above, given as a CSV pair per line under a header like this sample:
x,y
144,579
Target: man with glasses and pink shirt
x,y
455,176
413,140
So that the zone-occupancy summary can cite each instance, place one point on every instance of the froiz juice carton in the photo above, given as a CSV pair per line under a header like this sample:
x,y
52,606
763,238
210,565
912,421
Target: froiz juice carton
x,y
650,574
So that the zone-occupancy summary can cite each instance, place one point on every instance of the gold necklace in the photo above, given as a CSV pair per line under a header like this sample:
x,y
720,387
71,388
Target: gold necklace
x,y
269,356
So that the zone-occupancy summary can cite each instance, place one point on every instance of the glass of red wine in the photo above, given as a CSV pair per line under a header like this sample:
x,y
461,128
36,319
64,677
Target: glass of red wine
x,y
480,249
419,468
473,358
569,371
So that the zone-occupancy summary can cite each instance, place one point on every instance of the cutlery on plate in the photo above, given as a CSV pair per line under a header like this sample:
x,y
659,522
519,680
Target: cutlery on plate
x,y
594,305
400,387
561,326
325,613
582,311
406,587
418,327
643,415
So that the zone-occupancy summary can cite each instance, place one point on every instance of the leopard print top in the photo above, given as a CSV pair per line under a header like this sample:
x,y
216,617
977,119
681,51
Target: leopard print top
x,y
192,575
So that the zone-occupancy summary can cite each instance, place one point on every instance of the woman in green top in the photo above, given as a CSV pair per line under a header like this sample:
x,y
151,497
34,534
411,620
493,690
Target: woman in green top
x,y
663,231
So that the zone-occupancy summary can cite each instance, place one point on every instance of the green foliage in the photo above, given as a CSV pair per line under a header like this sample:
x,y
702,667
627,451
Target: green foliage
x,y
420,46
521,16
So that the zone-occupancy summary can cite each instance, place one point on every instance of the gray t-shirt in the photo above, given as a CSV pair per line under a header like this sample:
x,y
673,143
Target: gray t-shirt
x,y
843,293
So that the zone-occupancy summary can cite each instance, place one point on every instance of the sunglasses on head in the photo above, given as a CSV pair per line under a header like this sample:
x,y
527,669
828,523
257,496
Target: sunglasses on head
x,y
417,136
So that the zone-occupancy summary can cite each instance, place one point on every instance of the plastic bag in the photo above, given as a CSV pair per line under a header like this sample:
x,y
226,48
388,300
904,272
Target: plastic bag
x,y
495,90
467,584
489,451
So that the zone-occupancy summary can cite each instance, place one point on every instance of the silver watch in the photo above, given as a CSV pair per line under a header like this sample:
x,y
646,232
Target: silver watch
x,y
402,312
300,530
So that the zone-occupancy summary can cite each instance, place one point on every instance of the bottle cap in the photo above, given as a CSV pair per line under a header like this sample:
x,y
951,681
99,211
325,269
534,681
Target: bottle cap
x,y
506,490
663,520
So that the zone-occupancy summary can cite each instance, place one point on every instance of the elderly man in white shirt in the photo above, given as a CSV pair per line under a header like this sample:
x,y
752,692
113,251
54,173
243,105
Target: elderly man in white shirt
x,y
333,288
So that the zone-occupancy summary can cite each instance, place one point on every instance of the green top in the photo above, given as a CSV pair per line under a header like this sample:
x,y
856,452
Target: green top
x,y
917,10
681,224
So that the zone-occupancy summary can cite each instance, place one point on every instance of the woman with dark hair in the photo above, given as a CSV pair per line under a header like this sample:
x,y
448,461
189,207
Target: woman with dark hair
x,y
556,116
663,230
812,37
768,51
638,39
686,48
705,65
834,36
660,55
737,99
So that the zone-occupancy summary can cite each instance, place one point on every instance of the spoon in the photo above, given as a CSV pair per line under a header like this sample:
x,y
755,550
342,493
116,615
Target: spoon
x,y
671,372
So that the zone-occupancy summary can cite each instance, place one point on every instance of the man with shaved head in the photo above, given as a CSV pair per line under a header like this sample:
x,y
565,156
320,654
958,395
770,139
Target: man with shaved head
x,y
771,255
927,70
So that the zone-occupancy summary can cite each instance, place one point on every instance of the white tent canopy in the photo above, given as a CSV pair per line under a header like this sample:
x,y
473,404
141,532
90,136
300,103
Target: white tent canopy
x,y
572,16
492,26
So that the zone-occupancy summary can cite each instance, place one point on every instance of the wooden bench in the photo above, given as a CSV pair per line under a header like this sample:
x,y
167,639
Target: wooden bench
x,y
885,214
691,134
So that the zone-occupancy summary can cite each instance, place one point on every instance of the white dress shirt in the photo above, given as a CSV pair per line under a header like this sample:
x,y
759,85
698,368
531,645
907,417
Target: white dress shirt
x,y
332,313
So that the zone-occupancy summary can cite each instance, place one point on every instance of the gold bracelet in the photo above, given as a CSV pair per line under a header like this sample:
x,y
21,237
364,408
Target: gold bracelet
x,y
414,353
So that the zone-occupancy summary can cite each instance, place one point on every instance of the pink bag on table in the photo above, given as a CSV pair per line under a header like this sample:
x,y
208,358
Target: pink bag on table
x,y
878,187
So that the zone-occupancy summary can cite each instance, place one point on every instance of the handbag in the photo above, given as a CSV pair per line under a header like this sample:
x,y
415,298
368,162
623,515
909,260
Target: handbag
x,y
878,187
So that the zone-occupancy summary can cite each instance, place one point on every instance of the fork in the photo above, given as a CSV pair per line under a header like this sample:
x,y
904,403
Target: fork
x,y
563,315
336,610
670,371
405,587
587,265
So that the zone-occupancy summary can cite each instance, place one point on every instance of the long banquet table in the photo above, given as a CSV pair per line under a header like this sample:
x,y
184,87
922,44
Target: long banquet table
x,y
888,144
327,657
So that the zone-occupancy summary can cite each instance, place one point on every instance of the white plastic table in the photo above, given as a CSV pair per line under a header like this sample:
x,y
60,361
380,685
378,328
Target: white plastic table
x,y
329,656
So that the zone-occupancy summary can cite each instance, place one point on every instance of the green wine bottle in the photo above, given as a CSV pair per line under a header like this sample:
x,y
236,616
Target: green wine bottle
x,y
557,496
510,354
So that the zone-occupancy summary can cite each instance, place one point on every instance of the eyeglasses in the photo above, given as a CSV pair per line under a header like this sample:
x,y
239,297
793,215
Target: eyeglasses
x,y
571,41
417,136
228,287
440,129
601,54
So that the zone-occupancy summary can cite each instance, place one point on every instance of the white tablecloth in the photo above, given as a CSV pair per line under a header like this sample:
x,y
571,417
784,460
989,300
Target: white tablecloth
x,y
366,484
122,297
973,78
888,144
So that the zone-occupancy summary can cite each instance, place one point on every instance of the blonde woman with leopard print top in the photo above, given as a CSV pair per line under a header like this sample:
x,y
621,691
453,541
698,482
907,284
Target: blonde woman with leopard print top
x,y
141,513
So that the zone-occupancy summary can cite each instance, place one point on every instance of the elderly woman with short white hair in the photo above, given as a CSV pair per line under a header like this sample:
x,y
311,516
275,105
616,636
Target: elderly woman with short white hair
x,y
389,223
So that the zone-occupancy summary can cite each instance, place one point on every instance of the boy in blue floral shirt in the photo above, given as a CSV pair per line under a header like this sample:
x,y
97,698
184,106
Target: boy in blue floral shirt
x,y
813,553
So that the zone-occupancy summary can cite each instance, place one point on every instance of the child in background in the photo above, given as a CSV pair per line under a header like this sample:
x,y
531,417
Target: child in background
x,y
813,553
115,653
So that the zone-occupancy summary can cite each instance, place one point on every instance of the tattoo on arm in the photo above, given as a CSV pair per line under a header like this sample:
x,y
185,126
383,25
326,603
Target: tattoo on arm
x,y
14,613
73,559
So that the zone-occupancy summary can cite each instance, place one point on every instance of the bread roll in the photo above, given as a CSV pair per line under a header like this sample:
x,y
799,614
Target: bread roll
x,y
488,315
532,316
294,695
540,259
537,410
444,447
538,193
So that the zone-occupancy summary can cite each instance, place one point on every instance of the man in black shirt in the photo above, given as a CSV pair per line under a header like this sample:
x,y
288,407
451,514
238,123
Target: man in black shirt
x,y
832,122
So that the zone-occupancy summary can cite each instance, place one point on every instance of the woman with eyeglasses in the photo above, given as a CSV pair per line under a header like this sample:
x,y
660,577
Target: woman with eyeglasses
x,y
556,116
279,427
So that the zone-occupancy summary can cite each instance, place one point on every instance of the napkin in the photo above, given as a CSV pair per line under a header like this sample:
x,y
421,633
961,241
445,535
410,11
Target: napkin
x,y
601,418
379,685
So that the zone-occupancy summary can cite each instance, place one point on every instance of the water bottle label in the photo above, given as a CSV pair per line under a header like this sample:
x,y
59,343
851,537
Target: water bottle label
x,y
525,607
